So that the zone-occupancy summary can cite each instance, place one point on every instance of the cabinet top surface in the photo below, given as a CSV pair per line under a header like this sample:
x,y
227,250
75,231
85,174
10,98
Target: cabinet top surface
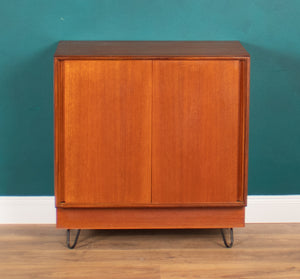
x,y
151,49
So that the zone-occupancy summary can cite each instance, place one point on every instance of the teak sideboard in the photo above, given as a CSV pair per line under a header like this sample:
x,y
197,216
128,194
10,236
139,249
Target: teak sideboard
x,y
151,134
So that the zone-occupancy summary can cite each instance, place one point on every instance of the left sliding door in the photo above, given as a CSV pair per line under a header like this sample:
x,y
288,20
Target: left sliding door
x,y
103,132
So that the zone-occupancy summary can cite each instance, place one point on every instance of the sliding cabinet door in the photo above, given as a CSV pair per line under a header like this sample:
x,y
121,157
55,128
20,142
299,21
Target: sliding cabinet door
x,y
196,137
104,133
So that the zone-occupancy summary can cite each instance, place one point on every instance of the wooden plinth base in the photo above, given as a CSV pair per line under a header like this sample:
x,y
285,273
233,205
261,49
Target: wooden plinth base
x,y
150,218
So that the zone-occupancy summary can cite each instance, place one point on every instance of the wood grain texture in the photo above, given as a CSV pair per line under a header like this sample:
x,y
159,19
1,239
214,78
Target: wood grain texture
x,y
260,251
150,218
106,153
150,49
196,131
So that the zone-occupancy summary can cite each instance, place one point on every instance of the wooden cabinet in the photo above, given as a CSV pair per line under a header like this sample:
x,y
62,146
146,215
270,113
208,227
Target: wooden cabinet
x,y
151,134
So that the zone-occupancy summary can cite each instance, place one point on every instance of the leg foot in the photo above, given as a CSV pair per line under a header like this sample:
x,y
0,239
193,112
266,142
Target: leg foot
x,y
228,245
75,241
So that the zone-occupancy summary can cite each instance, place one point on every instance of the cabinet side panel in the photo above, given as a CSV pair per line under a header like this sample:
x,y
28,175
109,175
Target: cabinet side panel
x,y
107,124
246,94
196,131
58,131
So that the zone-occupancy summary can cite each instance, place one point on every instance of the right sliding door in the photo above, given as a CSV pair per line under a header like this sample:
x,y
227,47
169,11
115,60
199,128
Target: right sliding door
x,y
196,132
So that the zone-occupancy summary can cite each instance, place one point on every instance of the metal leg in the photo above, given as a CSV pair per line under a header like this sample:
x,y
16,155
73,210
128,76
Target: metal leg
x,y
231,238
68,239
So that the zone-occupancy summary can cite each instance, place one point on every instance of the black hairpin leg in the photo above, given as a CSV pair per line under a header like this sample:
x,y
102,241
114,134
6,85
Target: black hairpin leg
x,y
224,238
75,241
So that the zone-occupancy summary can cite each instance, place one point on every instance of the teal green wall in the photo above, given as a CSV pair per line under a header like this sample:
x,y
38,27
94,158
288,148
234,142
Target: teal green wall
x,y
31,29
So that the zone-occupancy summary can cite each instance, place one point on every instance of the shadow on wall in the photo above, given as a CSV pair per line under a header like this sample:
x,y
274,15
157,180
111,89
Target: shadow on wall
x,y
27,147
274,155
